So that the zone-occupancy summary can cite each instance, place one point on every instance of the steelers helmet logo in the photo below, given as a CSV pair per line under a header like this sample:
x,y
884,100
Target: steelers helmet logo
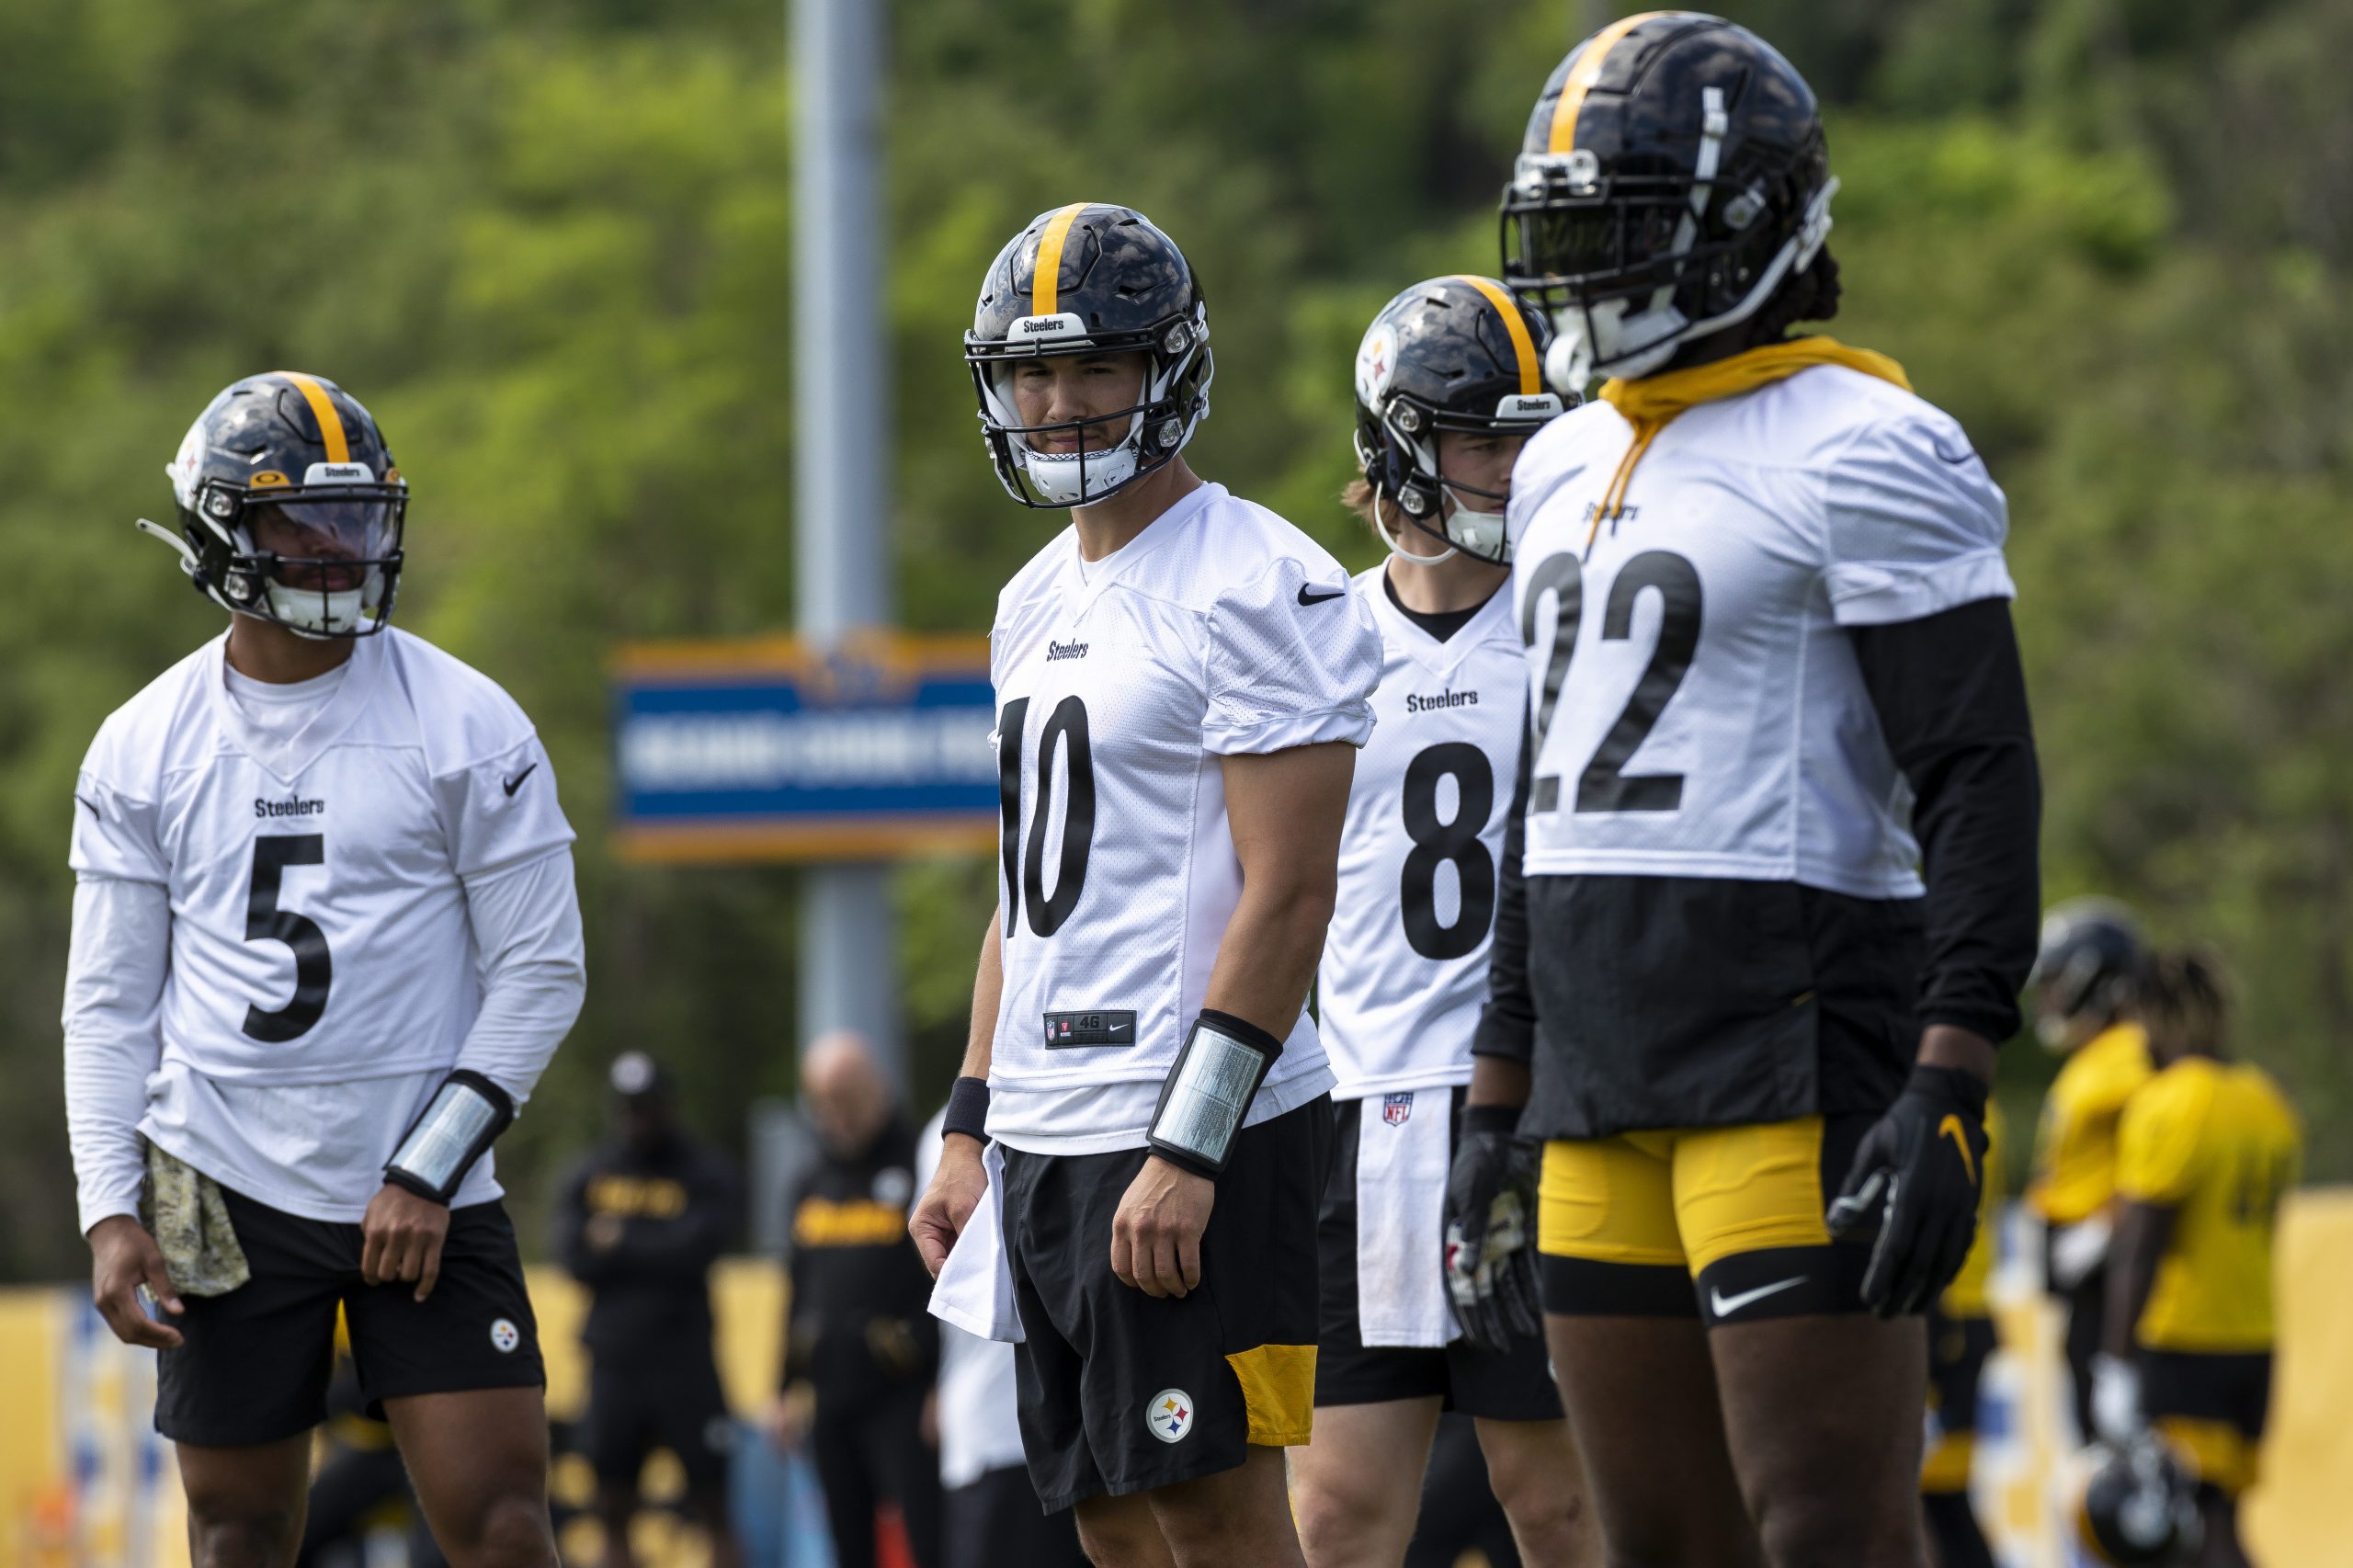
x,y
1169,1414
505,1336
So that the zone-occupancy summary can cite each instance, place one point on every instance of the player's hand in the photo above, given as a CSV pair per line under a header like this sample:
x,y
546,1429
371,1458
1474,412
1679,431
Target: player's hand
x,y
1915,1181
1490,1255
1156,1235
400,1237
947,1205
2117,1415
788,1417
125,1261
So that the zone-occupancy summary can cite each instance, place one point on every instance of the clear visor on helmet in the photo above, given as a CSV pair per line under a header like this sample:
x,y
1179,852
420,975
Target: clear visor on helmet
x,y
326,544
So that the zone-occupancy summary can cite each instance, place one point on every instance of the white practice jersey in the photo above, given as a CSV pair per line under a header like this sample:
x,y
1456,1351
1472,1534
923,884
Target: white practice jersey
x,y
1219,630
1699,710
1405,967
318,929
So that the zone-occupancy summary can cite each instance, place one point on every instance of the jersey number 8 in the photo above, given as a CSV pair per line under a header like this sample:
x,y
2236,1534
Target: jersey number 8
x,y
1436,843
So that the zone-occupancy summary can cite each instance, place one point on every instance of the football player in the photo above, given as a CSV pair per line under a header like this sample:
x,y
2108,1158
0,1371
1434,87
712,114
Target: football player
x,y
1962,1338
2091,955
324,940
1182,681
1449,386
2204,1154
1778,876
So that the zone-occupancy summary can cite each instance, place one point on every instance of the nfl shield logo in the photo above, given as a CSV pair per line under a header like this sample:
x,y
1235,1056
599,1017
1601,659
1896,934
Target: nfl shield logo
x,y
1395,1108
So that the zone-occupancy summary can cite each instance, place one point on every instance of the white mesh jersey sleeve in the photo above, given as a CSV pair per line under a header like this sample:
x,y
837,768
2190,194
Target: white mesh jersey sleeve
x,y
1914,523
494,788
1293,657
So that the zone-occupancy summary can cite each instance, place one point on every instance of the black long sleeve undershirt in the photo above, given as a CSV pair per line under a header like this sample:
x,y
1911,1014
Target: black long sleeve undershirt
x,y
1508,1022
1950,695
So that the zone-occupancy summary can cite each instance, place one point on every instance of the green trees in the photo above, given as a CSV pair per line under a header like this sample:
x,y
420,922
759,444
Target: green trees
x,y
549,245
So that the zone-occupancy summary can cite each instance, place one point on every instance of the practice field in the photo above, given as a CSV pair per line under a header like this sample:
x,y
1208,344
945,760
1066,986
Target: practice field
x,y
84,1484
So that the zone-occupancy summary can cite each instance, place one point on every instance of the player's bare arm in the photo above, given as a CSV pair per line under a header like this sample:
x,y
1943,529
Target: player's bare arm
x,y
1286,809
957,1185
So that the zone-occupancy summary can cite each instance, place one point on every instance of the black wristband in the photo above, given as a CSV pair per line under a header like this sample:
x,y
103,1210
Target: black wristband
x,y
967,1109
1491,1119
1957,1084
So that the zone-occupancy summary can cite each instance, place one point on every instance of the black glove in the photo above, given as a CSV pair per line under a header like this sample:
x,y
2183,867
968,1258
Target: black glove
x,y
1491,1230
1915,1181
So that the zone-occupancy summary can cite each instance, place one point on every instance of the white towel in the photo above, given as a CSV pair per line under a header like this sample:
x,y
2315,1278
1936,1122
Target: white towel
x,y
974,1290
1402,1159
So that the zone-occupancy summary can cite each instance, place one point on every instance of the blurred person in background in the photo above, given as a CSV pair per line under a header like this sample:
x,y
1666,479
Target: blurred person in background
x,y
2205,1152
990,1517
326,940
861,1348
1960,1340
1778,877
2090,956
1448,385
640,1224
1141,1133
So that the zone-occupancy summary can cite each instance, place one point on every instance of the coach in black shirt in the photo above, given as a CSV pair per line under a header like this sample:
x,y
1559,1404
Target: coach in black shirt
x,y
861,1350
642,1221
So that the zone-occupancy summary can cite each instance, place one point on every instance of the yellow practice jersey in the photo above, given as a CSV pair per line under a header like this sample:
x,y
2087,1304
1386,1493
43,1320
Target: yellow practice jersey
x,y
2075,1151
2216,1142
1965,1296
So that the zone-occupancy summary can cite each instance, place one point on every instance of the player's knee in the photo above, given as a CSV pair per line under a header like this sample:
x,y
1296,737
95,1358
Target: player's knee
x,y
510,1530
1822,1529
1340,1518
1116,1540
1542,1500
220,1537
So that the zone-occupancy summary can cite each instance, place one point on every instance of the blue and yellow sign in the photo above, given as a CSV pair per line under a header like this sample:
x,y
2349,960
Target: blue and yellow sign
x,y
763,750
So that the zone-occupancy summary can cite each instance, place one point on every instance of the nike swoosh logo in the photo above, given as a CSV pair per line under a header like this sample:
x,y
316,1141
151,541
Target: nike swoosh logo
x,y
1966,452
93,810
1307,598
1724,1306
1950,1128
517,782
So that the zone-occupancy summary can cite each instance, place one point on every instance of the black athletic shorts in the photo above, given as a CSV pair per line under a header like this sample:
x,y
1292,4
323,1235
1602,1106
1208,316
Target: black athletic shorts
x,y
1120,1392
255,1363
1959,1348
2212,1408
1515,1386
672,1401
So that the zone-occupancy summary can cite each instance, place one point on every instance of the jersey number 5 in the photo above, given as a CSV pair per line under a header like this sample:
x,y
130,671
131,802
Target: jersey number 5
x,y
1605,786
264,922
1066,725
1436,842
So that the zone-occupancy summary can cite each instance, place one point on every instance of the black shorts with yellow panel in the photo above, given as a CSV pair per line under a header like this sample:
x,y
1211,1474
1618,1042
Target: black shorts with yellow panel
x,y
1725,1224
1706,1054
2211,1408
1120,1393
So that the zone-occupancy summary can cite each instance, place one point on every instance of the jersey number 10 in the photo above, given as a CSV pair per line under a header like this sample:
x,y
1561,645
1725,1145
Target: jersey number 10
x,y
1065,725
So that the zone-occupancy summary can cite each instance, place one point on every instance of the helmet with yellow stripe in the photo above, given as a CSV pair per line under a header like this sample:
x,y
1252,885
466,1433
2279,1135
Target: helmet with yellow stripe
x,y
1673,178
291,508
1089,279
1460,354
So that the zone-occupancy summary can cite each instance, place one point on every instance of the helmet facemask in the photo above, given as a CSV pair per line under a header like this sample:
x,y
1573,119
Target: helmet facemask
x,y
1630,265
1171,403
322,559
1398,455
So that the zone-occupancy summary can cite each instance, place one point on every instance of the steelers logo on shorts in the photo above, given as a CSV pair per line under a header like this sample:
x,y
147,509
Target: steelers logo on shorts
x,y
1169,1414
506,1336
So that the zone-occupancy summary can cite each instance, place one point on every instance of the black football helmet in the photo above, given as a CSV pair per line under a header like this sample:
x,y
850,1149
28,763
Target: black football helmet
x,y
291,508
2086,966
1089,278
1457,353
2140,1509
1673,175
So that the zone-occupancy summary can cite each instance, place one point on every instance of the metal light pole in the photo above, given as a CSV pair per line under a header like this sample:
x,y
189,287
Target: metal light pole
x,y
842,440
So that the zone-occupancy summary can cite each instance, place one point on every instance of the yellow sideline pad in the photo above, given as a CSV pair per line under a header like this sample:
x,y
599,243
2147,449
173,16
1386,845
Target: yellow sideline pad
x,y
76,1403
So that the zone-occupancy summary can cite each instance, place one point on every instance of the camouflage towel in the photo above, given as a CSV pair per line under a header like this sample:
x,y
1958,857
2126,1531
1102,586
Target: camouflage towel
x,y
185,1212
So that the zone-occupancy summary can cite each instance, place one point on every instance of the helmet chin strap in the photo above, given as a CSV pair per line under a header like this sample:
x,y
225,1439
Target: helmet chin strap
x,y
1396,544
